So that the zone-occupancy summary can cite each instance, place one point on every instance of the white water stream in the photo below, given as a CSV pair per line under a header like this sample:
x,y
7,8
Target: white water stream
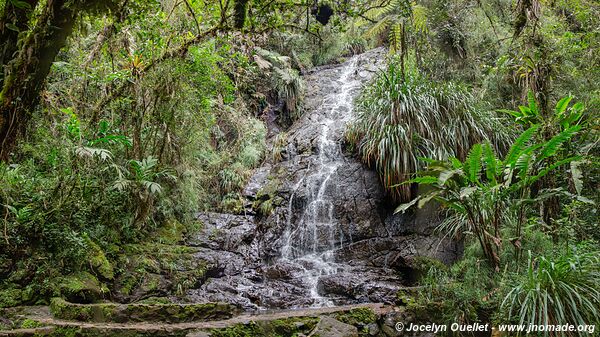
x,y
310,240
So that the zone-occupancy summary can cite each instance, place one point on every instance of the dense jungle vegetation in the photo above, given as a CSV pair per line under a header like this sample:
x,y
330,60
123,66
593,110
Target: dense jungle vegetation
x,y
120,119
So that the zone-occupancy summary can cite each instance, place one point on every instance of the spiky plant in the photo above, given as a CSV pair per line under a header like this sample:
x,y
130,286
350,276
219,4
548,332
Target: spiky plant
x,y
400,120
555,291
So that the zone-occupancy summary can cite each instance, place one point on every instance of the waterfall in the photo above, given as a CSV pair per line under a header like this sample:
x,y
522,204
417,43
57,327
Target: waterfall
x,y
310,240
329,239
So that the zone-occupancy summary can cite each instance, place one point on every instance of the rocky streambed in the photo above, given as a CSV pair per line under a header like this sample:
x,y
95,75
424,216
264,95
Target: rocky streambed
x,y
318,229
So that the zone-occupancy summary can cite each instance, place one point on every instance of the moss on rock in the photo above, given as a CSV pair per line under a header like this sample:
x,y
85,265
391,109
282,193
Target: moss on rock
x,y
122,313
286,327
81,287
98,259
106,332
156,270
358,317
13,296
64,310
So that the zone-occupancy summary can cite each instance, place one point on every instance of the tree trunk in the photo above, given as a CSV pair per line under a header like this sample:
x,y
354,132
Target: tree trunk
x,y
240,11
28,71
13,21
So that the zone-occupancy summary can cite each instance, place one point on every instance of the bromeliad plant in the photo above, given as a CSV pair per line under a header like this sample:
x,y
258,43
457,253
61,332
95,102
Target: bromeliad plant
x,y
564,116
486,194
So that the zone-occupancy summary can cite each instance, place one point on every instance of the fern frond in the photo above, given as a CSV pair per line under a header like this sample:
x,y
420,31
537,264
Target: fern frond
x,y
491,163
472,165
419,17
395,38
378,28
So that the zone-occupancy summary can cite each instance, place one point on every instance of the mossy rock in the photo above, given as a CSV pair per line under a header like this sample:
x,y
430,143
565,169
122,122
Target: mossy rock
x,y
285,327
358,317
81,287
29,323
156,270
107,332
13,296
98,260
123,313
171,233
422,264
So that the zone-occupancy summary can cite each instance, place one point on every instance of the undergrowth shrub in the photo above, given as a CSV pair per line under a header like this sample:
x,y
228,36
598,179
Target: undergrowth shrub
x,y
88,181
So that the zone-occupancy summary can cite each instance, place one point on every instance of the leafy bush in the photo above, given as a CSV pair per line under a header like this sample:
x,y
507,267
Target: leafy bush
x,y
88,181
485,194
284,81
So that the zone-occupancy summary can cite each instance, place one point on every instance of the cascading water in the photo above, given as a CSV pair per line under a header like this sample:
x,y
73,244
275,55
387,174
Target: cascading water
x,y
310,240
329,238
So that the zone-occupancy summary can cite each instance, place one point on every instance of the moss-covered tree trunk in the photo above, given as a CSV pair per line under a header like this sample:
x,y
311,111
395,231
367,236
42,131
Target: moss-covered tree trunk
x,y
27,69
13,21
27,72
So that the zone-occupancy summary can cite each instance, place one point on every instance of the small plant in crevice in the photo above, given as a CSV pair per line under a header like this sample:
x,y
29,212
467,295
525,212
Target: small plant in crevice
x,y
279,146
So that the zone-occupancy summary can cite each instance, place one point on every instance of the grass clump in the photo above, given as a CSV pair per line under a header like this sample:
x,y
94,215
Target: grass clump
x,y
403,117
556,290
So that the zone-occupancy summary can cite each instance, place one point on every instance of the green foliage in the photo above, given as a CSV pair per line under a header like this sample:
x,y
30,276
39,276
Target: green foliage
x,y
357,316
400,120
463,293
285,81
564,116
556,290
396,18
92,178
485,194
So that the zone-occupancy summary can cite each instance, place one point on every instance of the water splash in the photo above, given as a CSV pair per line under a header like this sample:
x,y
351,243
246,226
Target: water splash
x,y
309,241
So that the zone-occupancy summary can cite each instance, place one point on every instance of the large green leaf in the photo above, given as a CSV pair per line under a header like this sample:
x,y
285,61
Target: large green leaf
x,y
562,105
519,145
553,145
491,163
473,163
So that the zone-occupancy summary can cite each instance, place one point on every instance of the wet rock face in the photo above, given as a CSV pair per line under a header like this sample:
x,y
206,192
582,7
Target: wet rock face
x,y
329,236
